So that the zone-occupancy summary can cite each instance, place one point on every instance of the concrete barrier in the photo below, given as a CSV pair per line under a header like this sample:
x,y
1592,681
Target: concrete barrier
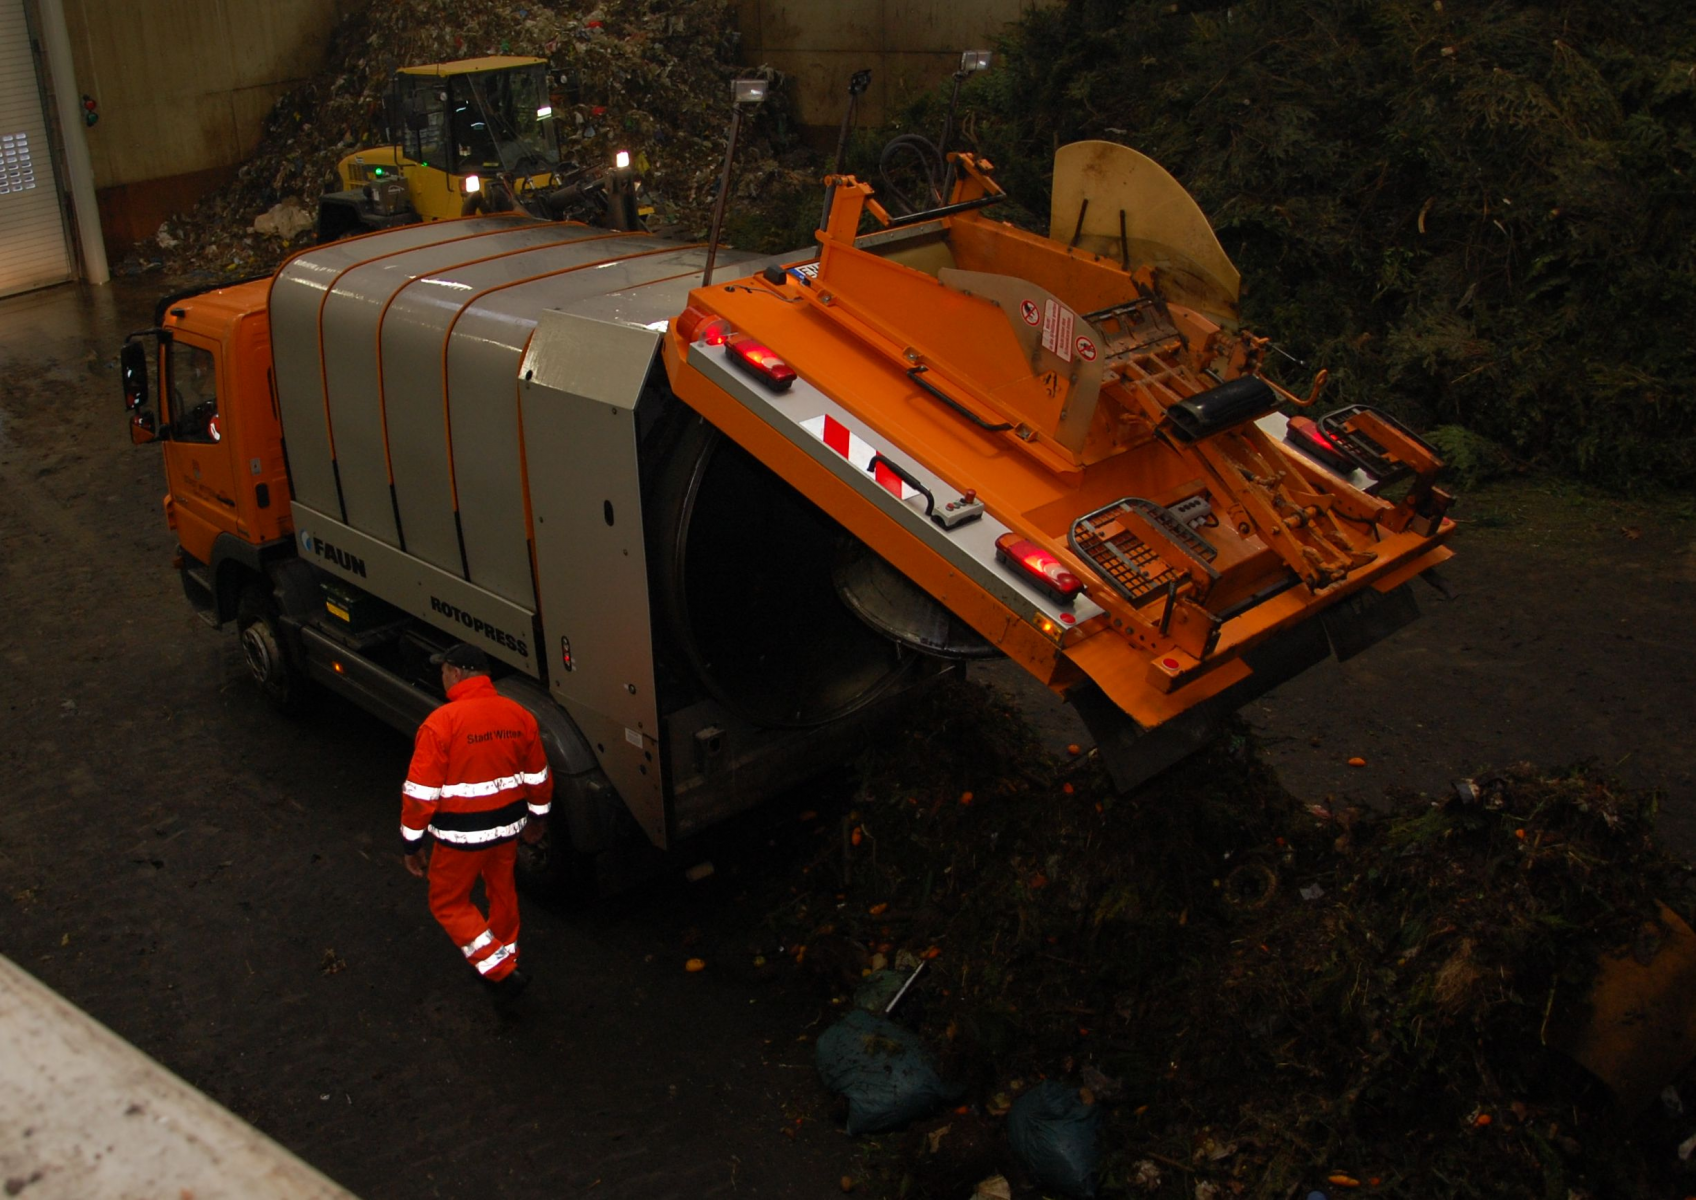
x,y
85,1115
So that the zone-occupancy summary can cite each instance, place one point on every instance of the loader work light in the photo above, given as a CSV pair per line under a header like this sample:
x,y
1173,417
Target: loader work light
x,y
621,160
1038,566
473,185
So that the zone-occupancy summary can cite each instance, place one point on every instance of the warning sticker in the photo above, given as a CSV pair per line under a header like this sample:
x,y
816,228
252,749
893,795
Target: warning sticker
x,y
1086,349
858,451
634,738
1028,310
1057,325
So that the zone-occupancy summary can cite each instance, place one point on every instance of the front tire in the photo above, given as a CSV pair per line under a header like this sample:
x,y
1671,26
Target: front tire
x,y
281,681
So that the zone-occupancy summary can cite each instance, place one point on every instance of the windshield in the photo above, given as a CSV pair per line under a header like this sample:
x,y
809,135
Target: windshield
x,y
502,121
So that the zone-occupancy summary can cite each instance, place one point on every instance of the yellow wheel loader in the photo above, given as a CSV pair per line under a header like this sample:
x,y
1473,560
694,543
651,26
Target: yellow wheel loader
x,y
475,135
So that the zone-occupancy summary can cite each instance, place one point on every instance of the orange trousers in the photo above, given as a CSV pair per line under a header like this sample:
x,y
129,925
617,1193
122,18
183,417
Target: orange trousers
x,y
489,943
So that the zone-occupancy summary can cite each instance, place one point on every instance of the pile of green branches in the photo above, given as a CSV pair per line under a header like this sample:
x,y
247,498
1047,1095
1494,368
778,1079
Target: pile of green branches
x,y
1479,214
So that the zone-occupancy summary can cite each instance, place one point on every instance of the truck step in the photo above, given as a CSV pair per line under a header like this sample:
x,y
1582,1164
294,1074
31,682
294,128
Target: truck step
x,y
197,586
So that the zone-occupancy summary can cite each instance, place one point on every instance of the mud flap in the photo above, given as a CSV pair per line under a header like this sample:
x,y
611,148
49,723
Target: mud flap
x,y
1368,617
1135,755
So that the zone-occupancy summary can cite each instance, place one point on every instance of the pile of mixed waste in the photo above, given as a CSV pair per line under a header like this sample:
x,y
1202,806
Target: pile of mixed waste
x,y
1209,989
646,76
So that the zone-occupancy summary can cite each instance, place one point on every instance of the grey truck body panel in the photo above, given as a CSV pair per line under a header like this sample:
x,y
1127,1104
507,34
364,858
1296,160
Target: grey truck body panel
x,y
459,407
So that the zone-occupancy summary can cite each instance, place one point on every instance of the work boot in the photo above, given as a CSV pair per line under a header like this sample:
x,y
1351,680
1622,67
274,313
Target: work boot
x,y
508,988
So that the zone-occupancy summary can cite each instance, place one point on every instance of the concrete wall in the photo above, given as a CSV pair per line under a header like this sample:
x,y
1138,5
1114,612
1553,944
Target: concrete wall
x,y
183,88
908,44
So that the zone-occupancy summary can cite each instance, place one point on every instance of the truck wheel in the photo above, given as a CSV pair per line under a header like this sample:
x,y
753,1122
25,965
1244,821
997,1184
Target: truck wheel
x,y
552,869
282,682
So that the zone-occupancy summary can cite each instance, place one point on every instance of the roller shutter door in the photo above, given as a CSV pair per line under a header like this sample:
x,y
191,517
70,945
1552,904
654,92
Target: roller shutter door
x,y
32,231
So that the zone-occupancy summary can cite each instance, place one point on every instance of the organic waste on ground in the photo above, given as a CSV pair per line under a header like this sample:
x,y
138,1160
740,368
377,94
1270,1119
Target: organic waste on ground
x,y
648,76
1265,998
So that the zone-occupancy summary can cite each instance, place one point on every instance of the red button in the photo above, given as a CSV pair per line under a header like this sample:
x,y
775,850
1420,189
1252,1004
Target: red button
x,y
1171,664
1067,617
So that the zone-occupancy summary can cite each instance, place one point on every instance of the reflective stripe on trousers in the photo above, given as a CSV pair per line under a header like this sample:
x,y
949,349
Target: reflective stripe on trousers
x,y
453,872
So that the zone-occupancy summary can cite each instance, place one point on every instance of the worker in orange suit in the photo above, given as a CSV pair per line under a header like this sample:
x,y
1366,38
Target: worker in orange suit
x,y
478,782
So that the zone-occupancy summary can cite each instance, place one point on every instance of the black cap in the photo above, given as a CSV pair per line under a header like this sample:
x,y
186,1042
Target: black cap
x,y
466,658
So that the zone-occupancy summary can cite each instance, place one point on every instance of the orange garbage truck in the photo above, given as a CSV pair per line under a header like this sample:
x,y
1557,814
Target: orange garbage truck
x,y
710,534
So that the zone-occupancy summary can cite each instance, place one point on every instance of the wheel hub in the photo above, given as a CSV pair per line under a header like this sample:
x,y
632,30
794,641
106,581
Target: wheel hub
x,y
261,651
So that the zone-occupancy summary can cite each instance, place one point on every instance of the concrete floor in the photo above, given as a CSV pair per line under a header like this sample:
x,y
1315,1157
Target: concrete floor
x,y
219,886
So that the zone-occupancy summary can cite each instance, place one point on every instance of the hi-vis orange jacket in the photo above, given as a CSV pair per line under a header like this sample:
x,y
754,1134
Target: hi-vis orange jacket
x,y
478,771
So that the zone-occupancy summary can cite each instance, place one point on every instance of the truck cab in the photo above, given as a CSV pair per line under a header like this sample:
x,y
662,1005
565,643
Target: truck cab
x,y
227,489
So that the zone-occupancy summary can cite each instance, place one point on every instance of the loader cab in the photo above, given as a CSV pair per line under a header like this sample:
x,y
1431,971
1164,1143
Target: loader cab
x,y
199,383
475,116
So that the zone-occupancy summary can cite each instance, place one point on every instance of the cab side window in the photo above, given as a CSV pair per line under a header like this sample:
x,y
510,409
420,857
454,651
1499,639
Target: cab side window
x,y
194,394
424,107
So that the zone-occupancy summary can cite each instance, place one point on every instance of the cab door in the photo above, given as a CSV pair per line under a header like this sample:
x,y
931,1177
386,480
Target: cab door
x,y
199,460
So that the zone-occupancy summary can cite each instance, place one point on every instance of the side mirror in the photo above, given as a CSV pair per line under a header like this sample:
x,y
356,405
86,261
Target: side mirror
x,y
132,363
143,428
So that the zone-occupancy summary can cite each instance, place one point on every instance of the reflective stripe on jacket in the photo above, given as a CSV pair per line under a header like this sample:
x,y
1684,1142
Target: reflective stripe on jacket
x,y
478,771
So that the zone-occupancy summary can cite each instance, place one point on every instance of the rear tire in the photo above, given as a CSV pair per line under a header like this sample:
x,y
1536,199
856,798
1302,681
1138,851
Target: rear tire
x,y
553,869
557,868
550,869
281,681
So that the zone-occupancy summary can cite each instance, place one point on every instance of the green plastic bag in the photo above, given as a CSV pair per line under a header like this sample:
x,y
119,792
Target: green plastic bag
x,y
882,1069
1055,1136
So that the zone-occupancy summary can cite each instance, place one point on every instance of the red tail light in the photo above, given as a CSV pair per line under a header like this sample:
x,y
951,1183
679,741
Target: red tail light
x,y
1039,566
758,358
1315,442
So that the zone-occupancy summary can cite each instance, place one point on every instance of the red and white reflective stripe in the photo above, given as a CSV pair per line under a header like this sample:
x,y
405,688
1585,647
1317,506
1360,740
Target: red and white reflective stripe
x,y
410,834
539,810
489,787
477,943
420,791
845,442
485,965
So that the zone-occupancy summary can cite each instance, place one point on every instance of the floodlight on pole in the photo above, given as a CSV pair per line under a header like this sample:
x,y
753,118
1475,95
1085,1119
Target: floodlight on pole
x,y
744,93
971,62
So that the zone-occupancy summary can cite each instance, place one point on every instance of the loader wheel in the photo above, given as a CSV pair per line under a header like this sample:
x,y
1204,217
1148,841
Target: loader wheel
x,y
284,685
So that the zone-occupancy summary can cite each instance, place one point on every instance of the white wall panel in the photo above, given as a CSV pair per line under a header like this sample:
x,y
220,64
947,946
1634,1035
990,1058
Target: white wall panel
x,y
33,252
